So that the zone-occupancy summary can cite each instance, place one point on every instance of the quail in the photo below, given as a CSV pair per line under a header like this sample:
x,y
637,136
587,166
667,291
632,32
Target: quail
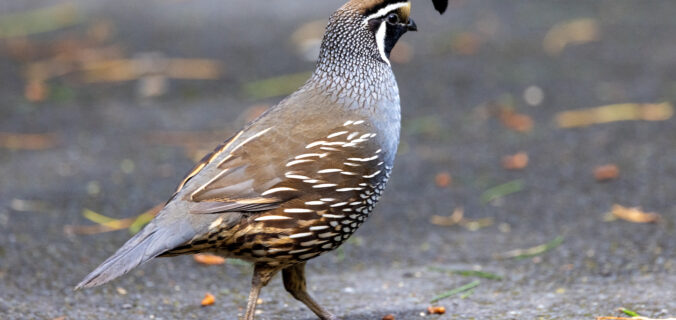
x,y
300,179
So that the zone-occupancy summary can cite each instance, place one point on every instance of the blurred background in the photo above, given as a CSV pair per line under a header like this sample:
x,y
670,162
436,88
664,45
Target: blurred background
x,y
535,178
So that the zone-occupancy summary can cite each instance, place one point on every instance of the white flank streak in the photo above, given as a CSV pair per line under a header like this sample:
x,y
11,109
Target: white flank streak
x,y
329,149
351,164
267,218
273,190
382,12
347,123
308,255
218,176
298,251
365,136
333,135
339,204
249,139
355,203
297,210
300,235
314,203
296,176
329,170
317,228
325,185
372,175
216,223
336,143
314,144
312,181
379,151
328,199
308,155
358,122
347,189
309,243
348,173
327,234
333,216
363,159
352,135
295,162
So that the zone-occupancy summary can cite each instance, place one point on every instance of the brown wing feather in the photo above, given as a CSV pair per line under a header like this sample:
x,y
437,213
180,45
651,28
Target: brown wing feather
x,y
254,172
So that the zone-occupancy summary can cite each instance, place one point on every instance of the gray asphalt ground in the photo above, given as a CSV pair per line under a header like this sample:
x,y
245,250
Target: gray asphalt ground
x,y
448,126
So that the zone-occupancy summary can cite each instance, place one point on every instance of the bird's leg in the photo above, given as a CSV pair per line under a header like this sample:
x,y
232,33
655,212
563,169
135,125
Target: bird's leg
x,y
294,282
261,277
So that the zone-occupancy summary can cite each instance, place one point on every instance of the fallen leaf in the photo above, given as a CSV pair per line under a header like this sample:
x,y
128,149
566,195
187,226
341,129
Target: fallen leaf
x,y
574,32
39,20
446,221
443,179
606,172
436,310
516,121
208,300
613,113
533,251
517,161
388,317
107,224
28,141
635,215
208,259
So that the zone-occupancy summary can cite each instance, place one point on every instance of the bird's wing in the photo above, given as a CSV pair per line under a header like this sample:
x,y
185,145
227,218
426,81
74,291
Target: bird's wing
x,y
261,169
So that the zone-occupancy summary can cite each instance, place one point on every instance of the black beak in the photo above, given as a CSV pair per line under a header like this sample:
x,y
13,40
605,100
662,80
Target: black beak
x,y
411,26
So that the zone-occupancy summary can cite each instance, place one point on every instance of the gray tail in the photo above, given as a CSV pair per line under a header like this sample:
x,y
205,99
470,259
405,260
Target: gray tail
x,y
147,244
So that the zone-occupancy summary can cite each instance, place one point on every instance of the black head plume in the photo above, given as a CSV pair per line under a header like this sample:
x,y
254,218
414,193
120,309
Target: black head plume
x,y
440,5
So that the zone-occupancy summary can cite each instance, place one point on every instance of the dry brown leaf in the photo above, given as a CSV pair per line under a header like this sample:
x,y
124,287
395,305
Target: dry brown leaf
x,y
436,310
208,300
30,141
616,112
208,259
113,225
388,317
516,121
578,31
635,215
516,161
606,172
443,179
456,217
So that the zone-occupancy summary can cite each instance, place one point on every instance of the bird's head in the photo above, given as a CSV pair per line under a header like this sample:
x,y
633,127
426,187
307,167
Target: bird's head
x,y
371,27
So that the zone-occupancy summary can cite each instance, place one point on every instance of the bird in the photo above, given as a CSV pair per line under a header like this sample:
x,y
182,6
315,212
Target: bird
x,y
300,179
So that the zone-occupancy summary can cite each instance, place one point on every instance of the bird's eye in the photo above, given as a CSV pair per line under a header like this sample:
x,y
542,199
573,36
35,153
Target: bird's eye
x,y
393,18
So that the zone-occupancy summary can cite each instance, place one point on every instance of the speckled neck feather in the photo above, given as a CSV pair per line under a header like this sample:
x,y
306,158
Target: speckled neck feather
x,y
349,68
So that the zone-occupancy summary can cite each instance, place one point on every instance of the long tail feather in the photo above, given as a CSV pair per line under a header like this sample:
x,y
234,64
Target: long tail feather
x,y
147,244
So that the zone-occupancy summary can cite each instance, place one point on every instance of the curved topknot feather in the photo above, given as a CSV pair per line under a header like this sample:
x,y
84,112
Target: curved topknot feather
x,y
440,5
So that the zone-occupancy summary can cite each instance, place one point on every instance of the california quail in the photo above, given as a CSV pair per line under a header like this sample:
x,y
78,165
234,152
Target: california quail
x,y
300,179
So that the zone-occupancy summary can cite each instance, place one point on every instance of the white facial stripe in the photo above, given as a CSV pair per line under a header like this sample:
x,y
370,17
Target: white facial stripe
x,y
380,41
382,12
